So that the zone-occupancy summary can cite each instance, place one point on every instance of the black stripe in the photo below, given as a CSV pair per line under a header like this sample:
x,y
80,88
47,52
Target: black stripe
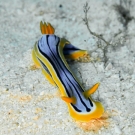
x,y
57,62
90,102
71,49
46,56
87,109
78,110
44,66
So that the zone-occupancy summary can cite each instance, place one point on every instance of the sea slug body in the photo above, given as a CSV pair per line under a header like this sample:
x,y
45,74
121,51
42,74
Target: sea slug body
x,y
50,53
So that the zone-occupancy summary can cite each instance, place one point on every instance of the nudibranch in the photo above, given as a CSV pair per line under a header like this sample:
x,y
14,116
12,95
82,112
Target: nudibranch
x,y
50,54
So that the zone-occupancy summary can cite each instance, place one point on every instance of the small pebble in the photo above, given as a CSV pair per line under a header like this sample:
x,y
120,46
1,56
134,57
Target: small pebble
x,y
109,66
42,93
117,130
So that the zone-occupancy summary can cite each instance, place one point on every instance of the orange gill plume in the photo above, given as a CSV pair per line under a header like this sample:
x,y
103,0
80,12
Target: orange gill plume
x,y
46,28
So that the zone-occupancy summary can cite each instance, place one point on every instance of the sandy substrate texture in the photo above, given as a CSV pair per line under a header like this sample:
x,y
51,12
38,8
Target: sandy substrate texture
x,y
29,105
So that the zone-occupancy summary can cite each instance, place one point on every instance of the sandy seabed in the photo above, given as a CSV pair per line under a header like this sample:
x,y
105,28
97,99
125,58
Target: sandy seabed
x,y
29,105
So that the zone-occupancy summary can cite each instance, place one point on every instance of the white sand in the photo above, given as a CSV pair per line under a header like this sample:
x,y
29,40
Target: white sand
x,y
29,105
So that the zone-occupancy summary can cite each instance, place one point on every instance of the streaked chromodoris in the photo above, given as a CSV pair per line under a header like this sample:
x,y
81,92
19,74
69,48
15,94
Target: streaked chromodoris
x,y
50,53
